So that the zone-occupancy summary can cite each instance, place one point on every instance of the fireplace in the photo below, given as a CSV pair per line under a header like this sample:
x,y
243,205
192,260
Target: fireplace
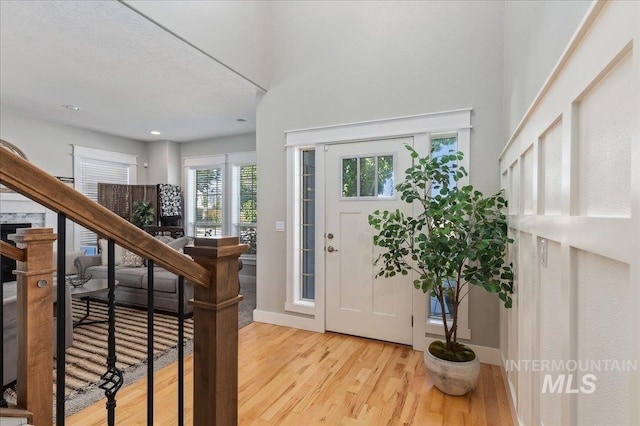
x,y
9,265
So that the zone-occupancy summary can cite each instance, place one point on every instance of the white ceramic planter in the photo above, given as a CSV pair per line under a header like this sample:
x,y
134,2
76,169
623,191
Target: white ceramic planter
x,y
452,378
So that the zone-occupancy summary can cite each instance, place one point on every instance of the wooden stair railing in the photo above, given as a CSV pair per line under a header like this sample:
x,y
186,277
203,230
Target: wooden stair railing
x,y
214,273
34,275
20,255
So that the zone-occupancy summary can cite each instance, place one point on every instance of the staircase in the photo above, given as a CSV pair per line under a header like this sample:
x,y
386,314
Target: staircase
x,y
213,270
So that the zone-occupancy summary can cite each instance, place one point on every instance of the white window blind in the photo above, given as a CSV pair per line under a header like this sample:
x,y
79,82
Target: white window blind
x,y
246,216
209,202
93,166
94,172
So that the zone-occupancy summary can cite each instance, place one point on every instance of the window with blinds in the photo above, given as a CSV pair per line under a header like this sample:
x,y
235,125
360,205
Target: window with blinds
x,y
93,166
247,214
209,207
222,197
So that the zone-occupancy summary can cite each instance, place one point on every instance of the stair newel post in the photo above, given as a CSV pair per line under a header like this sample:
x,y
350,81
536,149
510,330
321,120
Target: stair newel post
x,y
35,322
215,340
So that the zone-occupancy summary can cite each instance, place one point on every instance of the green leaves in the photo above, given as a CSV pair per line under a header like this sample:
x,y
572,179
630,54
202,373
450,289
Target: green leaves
x,y
458,234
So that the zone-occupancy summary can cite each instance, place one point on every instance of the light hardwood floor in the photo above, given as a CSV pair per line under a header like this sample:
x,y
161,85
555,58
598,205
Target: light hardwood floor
x,y
296,377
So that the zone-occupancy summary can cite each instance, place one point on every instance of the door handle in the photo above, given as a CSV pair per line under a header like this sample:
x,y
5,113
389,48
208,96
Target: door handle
x,y
330,249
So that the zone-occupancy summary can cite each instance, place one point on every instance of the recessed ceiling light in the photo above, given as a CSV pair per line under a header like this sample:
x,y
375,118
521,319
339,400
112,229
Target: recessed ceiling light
x,y
71,107
155,132
240,120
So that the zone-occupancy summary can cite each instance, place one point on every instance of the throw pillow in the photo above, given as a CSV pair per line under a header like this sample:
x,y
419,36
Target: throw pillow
x,y
164,238
181,251
131,259
178,243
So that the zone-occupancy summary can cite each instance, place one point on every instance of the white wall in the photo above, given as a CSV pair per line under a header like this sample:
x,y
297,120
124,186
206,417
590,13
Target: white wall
x,y
572,174
341,62
233,32
164,162
535,34
222,145
48,145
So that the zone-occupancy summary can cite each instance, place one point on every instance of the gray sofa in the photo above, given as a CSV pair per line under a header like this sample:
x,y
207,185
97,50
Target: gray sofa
x,y
132,285
132,277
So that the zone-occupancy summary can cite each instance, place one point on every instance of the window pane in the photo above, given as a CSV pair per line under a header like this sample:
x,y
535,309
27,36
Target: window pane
x,y
435,310
308,162
308,287
308,212
248,194
367,176
248,215
440,147
349,177
209,195
307,224
385,176
308,186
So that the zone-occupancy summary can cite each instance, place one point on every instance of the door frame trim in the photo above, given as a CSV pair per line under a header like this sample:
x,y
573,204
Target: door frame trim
x,y
420,127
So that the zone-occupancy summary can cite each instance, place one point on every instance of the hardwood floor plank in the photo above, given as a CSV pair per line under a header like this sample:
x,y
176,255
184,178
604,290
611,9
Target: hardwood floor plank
x,y
295,377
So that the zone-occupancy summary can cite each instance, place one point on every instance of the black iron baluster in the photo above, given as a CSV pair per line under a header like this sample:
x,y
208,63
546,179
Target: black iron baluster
x,y
149,342
112,377
60,314
3,402
180,350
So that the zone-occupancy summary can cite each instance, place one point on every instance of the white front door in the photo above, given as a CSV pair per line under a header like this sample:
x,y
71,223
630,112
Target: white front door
x,y
360,177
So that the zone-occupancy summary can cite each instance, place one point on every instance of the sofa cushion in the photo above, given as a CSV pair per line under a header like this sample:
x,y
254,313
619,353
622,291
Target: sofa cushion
x,y
163,281
126,277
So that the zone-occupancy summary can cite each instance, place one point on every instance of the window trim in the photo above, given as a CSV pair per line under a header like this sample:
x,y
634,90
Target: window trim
x,y
191,164
294,301
435,325
228,163
420,127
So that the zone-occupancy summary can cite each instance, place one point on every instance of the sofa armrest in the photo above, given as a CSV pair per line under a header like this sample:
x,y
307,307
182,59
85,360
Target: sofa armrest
x,y
82,263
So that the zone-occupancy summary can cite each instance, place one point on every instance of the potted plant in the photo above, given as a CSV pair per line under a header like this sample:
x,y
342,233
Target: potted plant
x,y
455,241
143,214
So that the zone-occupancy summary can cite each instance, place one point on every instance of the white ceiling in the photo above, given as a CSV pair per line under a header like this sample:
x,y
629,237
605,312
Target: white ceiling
x,y
128,75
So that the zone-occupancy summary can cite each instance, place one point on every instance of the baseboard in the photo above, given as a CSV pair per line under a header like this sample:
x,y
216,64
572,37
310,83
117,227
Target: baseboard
x,y
285,320
485,354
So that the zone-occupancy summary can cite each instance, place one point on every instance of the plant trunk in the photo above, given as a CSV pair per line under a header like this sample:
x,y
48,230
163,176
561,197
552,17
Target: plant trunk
x,y
447,331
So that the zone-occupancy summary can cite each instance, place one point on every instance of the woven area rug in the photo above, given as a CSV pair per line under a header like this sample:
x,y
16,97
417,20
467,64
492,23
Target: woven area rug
x,y
86,358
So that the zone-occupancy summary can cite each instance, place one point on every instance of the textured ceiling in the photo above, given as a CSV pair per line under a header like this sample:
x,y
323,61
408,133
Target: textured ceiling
x,y
127,75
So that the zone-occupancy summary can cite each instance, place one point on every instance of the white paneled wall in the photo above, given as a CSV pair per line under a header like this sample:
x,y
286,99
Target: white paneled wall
x,y
572,174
